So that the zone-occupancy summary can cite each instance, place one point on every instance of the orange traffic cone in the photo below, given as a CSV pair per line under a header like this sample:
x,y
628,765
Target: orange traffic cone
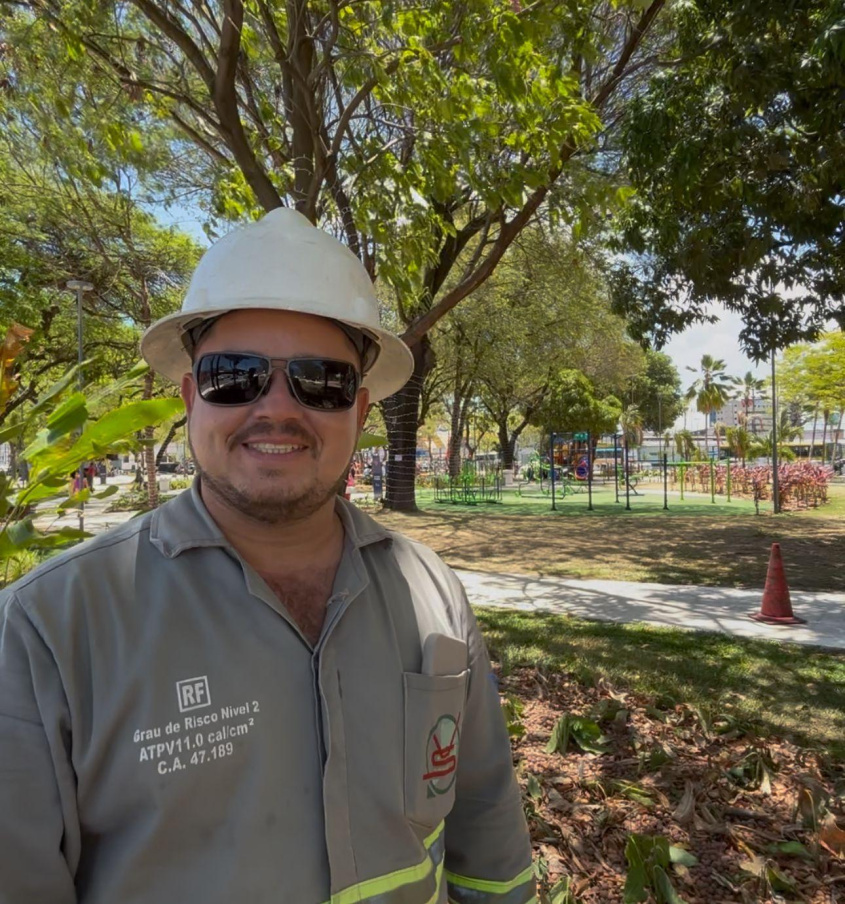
x,y
776,608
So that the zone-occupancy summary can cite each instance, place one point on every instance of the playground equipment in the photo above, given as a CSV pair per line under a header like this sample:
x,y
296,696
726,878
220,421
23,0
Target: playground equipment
x,y
467,490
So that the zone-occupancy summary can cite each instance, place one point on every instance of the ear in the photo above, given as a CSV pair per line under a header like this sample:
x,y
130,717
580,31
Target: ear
x,y
188,391
363,406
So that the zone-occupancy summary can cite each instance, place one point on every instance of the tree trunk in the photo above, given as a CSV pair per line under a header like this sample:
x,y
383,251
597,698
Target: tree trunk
x,y
13,461
400,417
148,453
813,439
176,425
824,433
456,429
507,443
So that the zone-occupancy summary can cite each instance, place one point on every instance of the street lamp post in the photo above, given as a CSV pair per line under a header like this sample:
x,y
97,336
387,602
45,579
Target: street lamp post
x,y
775,480
80,286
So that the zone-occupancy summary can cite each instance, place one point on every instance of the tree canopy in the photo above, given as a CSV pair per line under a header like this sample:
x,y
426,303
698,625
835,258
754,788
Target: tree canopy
x,y
656,391
737,155
572,404
545,307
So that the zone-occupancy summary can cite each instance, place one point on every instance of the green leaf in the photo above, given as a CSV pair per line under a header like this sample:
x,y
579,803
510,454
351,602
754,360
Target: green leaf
x,y
370,441
682,856
588,735
636,878
108,491
57,388
666,893
533,787
16,536
74,500
559,740
561,892
778,880
7,434
61,537
790,849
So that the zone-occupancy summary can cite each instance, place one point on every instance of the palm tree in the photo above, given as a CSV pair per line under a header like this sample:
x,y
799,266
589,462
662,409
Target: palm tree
x,y
719,429
684,444
631,422
748,388
711,390
739,442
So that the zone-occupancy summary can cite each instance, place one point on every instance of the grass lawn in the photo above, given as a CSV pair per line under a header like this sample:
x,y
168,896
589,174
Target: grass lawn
x,y
695,542
783,688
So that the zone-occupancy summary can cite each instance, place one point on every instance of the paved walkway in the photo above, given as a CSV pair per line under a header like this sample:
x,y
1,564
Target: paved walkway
x,y
669,605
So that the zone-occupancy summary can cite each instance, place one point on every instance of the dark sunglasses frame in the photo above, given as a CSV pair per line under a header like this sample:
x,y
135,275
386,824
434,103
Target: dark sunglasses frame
x,y
264,377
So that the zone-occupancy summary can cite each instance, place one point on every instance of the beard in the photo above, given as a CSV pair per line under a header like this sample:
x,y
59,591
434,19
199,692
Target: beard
x,y
274,506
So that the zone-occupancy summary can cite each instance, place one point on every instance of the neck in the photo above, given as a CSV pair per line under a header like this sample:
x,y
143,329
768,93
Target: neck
x,y
298,545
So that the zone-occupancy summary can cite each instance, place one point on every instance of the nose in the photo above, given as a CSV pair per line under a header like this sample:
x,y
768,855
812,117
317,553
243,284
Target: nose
x,y
277,401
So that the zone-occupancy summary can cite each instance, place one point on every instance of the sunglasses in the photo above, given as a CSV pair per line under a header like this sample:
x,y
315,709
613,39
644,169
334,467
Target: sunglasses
x,y
236,378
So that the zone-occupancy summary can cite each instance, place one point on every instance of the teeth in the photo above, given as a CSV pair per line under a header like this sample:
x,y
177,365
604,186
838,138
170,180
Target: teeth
x,y
273,449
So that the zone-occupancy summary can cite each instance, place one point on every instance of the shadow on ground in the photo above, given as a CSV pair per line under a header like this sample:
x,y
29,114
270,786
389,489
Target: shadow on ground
x,y
717,550
784,688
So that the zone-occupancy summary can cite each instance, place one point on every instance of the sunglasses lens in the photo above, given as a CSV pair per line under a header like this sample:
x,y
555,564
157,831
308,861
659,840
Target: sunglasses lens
x,y
231,379
323,384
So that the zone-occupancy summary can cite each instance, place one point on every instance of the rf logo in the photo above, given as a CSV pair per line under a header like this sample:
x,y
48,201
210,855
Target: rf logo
x,y
193,694
442,755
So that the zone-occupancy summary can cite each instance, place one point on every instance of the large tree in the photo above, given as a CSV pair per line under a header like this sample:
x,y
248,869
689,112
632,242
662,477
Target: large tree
x,y
572,404
545,307
813,375
656,392
418,131
737,155
68,213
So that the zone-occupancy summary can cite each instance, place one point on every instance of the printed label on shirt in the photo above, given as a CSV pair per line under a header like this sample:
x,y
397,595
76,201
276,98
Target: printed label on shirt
x,y
196,738
442,755
193,693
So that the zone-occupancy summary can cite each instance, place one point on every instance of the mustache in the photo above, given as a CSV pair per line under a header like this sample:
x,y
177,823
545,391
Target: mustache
x,y
289,430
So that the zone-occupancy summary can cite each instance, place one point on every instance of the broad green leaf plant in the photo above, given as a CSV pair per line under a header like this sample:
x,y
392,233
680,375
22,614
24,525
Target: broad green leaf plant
x,y
66,436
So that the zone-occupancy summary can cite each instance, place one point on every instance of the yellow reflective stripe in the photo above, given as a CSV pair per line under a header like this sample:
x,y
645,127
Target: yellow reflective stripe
x,y
383,884
433,836
534,900
439,879
496,888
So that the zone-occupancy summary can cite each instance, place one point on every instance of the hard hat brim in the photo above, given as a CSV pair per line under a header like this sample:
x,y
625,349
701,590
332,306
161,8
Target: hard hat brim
x,y
162,349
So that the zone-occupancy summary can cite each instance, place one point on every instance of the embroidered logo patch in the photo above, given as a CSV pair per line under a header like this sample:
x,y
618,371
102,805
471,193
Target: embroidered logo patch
x,y
442,755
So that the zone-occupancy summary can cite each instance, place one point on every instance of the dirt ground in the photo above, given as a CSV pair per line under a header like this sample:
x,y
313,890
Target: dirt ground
x,y
761,819
671,550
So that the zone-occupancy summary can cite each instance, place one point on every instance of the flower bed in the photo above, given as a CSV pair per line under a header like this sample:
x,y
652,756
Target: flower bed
x,y
802,484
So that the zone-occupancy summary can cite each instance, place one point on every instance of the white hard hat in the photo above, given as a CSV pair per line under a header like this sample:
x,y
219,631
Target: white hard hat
x,y
281,262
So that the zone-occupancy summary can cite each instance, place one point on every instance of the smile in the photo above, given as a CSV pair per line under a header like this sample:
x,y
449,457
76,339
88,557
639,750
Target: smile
x,y
274,448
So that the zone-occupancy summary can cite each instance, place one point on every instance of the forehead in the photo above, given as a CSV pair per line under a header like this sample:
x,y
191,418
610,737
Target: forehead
x,y
277,334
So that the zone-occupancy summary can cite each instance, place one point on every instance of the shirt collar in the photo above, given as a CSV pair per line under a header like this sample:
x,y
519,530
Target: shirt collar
x,y
185,523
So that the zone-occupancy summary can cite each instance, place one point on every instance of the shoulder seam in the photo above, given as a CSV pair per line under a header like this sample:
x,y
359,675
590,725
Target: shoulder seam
x,y
29,579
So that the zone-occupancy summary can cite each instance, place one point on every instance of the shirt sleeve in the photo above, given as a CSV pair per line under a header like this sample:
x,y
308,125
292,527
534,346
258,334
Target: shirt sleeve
x,y
39,831
488,850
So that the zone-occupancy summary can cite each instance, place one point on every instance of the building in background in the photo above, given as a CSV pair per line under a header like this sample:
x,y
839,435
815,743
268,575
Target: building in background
x,y
753,414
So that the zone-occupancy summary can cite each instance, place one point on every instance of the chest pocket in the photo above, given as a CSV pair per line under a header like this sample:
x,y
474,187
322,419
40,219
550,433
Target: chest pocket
x,y
434,710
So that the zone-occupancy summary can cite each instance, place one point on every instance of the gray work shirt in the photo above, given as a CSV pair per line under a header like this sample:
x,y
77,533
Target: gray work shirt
x,y
167,735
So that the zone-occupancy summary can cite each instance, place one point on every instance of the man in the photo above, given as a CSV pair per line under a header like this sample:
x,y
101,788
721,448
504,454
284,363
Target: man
x,y
256,693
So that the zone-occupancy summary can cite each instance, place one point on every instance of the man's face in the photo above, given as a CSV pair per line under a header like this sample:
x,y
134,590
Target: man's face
x,y
273,460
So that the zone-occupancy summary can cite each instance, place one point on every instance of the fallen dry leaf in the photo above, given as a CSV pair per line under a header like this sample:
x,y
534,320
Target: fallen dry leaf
x,y
832,837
